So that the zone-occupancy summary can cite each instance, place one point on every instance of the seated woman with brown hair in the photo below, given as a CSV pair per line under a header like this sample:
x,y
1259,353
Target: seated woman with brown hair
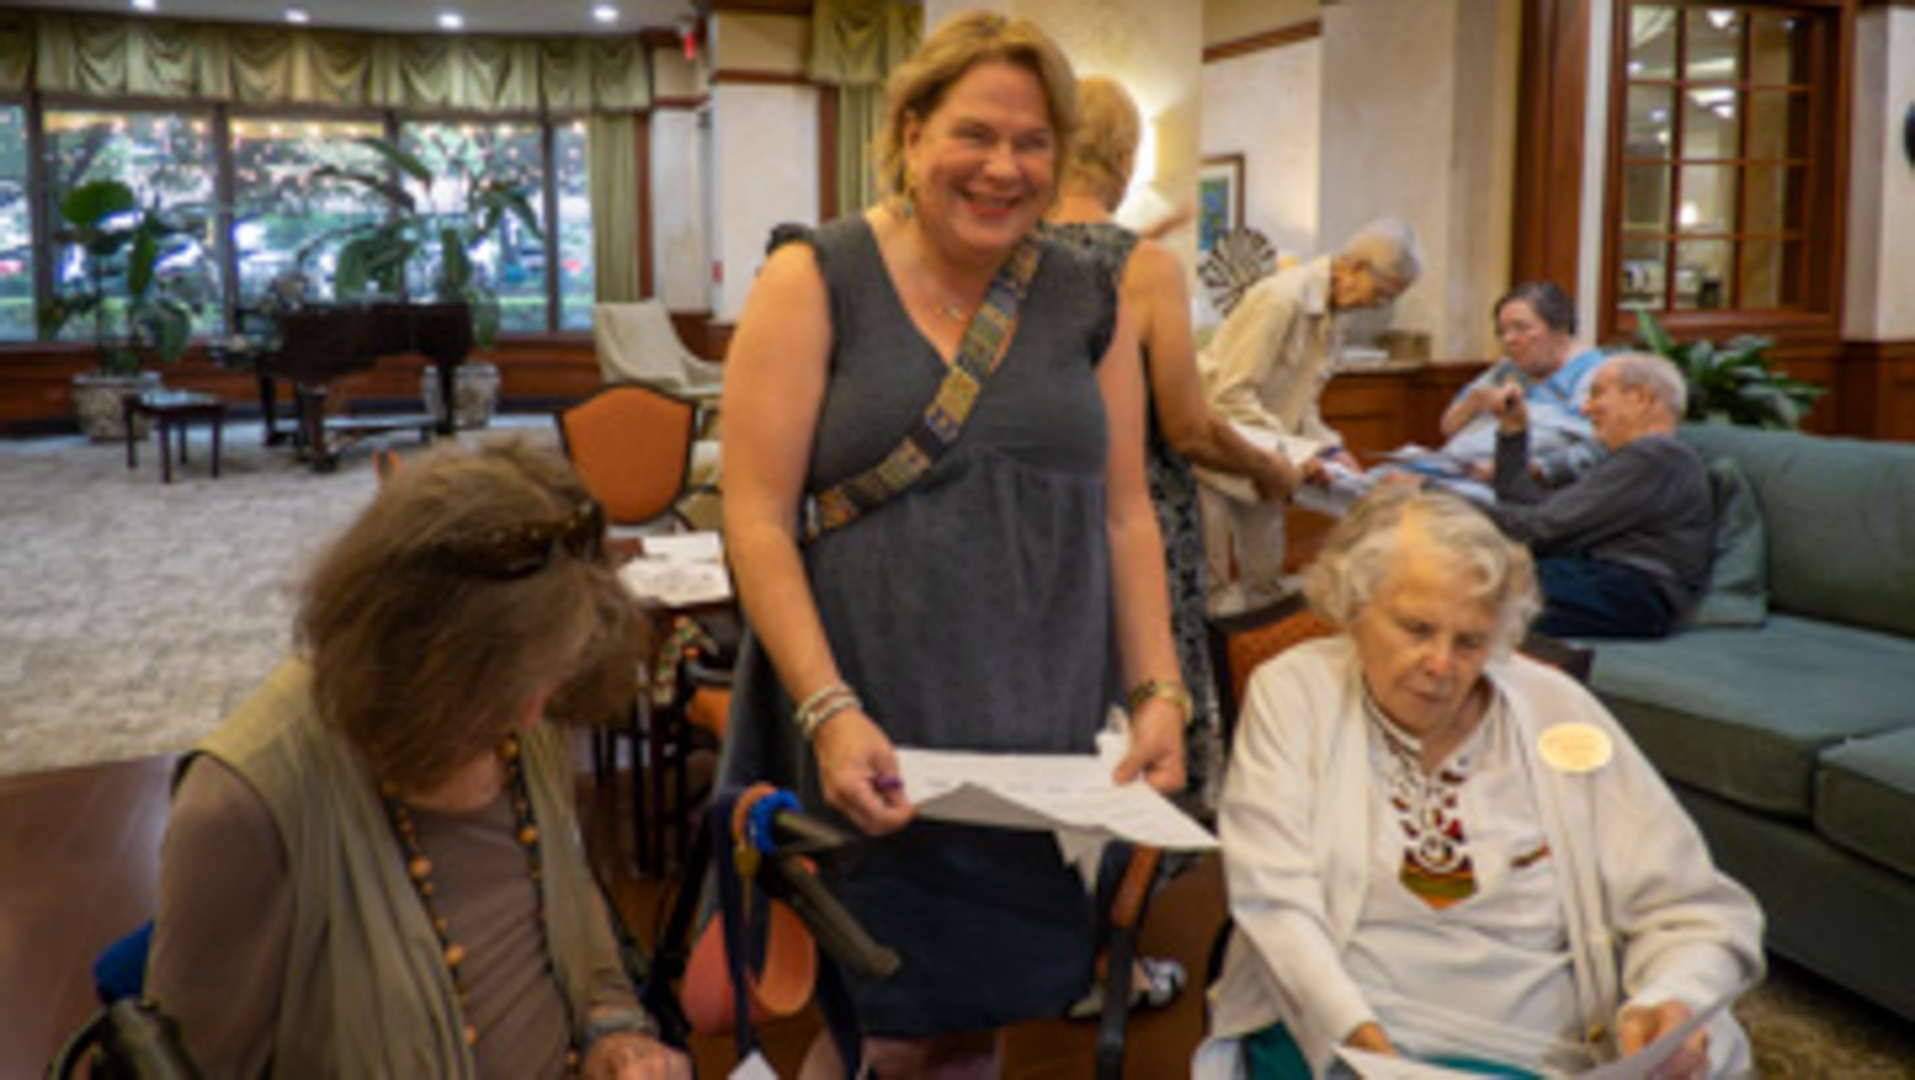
x,y
372,867
1441,850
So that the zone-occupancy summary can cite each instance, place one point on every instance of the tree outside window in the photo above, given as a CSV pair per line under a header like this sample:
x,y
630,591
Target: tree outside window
x,y
460,156
166,158
280,207
16,229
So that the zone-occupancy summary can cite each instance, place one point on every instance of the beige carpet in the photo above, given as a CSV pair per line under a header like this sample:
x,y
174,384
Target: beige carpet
x,y
133,614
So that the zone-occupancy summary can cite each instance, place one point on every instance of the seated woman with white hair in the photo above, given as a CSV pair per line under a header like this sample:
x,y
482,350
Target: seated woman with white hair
x,y
1439,849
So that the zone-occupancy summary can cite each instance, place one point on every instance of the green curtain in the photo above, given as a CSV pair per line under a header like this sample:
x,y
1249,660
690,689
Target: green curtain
x,y
110,57
860,114
611,142
854,46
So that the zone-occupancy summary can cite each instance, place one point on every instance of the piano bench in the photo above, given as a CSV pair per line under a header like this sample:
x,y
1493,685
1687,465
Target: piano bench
x,y
171,412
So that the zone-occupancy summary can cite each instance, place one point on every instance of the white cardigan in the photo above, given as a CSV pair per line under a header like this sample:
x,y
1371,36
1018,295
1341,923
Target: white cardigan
x,y
1649,917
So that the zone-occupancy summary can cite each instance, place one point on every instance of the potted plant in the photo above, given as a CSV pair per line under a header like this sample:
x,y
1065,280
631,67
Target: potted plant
x,y
1732,382
425,251
140,295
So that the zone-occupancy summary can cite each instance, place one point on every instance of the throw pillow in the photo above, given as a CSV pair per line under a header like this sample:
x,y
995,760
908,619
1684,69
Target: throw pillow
x,y
1738,591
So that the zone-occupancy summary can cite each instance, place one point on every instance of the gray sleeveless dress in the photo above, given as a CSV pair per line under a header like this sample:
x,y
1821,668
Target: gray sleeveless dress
x,y
973,612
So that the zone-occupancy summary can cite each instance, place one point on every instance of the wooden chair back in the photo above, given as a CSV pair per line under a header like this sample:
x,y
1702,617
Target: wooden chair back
x,y
632,447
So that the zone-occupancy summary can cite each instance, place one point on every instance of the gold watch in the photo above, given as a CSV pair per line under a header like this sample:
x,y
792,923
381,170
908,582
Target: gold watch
x,y
1171,690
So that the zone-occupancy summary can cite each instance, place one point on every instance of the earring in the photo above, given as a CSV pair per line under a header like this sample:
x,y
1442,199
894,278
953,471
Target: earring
x,y
908,206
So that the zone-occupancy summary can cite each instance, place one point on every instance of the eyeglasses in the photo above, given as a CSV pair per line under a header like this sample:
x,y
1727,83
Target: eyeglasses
x,y
506,554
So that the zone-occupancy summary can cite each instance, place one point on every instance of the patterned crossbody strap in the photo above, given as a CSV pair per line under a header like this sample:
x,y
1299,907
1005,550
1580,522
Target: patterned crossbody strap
x,y
986,340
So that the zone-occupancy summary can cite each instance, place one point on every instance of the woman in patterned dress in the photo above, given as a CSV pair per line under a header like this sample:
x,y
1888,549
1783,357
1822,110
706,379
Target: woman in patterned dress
x,y
1182,427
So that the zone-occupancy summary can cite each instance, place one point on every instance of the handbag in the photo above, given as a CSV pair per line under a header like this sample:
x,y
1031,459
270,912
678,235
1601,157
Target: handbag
x,y
986,340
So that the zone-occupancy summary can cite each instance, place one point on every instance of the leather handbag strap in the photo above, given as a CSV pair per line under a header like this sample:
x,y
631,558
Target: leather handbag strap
x,y
986,340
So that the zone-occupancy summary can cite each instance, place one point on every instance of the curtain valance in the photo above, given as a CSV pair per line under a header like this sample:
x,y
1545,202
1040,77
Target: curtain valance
x,y
110,56
859,42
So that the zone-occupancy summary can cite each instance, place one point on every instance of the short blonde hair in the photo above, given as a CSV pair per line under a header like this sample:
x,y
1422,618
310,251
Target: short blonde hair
x,y
1376,532
947,54
472,581
1109,127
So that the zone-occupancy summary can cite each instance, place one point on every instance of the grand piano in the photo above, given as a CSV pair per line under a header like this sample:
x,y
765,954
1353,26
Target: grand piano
x,y
321,343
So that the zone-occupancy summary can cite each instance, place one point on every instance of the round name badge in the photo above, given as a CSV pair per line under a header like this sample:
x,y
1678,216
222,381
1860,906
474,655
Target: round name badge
x,y
1575,748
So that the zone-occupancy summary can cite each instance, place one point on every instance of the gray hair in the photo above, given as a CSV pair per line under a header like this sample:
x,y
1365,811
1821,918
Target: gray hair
x,y
1656,374
1388,246
1376,532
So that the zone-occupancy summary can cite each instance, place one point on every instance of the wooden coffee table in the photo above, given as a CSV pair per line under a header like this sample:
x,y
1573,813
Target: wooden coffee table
x,y
172,411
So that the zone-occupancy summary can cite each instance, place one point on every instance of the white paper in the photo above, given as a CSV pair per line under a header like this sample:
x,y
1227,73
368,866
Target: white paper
x,y
1069,794
1239,488
1636,1066
703,546
754,1067
675,582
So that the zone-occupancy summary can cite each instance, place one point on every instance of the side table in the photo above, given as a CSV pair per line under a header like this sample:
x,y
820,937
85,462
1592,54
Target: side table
x,y
172,411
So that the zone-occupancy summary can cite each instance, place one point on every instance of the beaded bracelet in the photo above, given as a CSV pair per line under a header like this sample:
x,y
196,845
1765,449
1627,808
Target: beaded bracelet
x,y
823,705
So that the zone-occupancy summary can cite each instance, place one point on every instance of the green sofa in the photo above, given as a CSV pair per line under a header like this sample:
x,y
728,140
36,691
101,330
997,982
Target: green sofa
x,y
1786,718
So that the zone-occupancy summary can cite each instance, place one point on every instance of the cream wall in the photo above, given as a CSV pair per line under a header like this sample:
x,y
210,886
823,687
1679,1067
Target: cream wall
x,y
1233,20
679,254
1880,279
1267,106
764,149
741,41
764,171
1418,122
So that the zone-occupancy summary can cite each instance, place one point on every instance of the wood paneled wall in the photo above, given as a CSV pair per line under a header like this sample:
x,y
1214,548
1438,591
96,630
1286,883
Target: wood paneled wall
x,y
36,395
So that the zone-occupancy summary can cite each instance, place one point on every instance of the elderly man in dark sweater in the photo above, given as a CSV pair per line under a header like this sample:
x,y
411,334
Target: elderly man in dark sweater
x,y
1622,551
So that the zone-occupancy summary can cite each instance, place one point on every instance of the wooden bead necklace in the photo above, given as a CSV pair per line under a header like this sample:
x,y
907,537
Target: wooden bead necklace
x,y
419,871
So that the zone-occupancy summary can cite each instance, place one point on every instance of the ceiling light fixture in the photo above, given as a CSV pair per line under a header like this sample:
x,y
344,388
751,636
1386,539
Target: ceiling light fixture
x,y
605,13
146,5
298,15
451,20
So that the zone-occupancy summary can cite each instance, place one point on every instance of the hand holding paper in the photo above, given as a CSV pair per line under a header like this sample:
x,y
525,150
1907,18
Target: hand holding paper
x,y
1070,794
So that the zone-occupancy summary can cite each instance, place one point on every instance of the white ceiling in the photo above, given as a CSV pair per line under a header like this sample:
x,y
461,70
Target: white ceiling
x,y
410,16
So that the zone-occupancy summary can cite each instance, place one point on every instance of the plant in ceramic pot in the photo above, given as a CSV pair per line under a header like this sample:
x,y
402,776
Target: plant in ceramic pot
x,y
141,284
425,248
1732,382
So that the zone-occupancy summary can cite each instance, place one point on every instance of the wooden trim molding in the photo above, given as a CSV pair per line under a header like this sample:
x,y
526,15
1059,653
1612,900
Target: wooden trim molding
x,y
1552,91
1876,391
691,103
1269,39
760,7
745,77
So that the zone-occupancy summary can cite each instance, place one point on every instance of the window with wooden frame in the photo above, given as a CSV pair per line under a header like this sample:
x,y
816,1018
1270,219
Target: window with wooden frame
x,y
1723,187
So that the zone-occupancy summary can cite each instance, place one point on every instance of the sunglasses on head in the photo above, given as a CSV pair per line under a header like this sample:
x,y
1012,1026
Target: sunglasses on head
x,y
525,550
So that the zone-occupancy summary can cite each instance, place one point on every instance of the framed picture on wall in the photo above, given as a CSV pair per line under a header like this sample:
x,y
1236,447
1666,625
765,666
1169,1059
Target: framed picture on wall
x,y
1219,198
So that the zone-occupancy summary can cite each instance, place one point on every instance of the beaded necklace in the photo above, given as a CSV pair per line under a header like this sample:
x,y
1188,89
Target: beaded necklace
x,y
419,871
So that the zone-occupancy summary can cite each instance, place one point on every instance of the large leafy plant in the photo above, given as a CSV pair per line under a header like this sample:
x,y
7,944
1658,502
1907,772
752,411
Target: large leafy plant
x,y
140,297
1732,382
419,248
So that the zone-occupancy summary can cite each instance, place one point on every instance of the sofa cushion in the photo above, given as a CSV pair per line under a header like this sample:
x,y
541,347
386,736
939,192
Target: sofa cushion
x,y
1865,797
1743,713
1738,590
1840,516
